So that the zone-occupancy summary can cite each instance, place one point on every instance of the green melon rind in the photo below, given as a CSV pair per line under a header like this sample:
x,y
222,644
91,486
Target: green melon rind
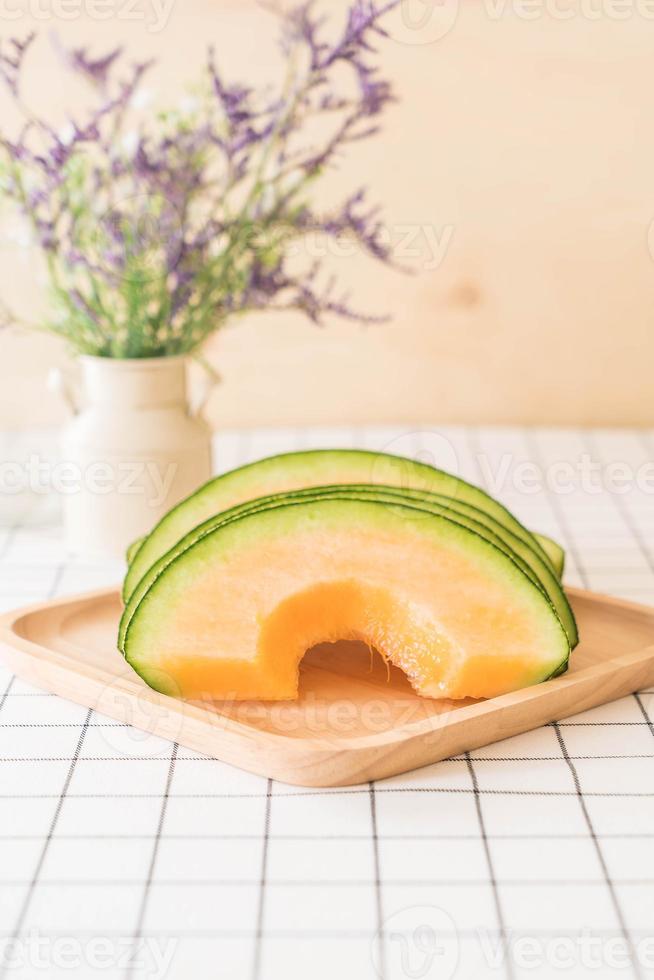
x,y
132,549
524,551
553,550
206,501
561,669
203,543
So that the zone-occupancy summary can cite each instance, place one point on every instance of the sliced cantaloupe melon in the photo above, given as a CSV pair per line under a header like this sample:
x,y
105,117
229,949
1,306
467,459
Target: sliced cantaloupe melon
x,y
233,614
293,471
527,557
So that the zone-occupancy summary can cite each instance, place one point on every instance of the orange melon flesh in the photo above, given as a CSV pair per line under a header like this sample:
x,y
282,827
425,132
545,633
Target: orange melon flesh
x,y
232,617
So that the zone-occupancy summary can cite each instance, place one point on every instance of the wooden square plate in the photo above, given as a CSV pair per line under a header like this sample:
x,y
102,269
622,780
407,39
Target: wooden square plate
x,y
355,720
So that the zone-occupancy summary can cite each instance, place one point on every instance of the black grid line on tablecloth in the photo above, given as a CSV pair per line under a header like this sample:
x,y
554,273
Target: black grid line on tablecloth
x,y
383,790
263,882
33,883
501,924
569,541
600,855
269,880
382,968
138,931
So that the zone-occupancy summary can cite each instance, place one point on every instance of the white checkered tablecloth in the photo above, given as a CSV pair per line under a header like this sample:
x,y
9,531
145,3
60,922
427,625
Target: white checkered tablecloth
x,y
122,856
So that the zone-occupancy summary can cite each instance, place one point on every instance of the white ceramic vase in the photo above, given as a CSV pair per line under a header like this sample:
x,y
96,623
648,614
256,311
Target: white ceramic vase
x,y
134,447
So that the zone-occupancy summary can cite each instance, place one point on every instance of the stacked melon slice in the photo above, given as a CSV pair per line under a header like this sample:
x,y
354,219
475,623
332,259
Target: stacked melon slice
x,y
238,581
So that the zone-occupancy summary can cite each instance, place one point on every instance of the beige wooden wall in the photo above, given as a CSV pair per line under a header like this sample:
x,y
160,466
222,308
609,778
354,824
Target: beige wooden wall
x,y
520,161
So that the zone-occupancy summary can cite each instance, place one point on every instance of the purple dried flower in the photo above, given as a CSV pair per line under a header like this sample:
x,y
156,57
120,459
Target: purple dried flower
x,y
11,60
47,236
95,70
234,99
362,20
153,241
82,305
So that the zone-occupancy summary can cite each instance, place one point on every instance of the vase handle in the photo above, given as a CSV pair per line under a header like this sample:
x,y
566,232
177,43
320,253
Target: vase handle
x,y
60,382
204,389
